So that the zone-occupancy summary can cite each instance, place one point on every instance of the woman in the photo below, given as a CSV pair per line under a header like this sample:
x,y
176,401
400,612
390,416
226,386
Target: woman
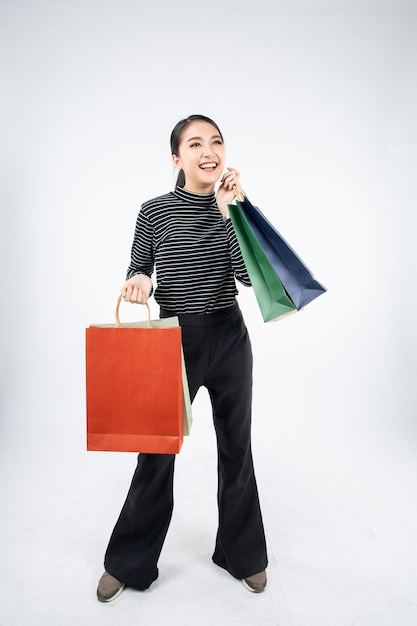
x,y
188,236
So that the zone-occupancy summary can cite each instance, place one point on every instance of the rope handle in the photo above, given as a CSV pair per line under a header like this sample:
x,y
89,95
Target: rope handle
x,y
239,193
119,299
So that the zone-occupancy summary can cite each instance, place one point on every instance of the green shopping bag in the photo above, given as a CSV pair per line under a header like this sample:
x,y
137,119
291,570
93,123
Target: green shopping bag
x,y
269,291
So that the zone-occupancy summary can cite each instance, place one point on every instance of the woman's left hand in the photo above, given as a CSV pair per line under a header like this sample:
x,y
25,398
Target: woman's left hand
x,y
225,193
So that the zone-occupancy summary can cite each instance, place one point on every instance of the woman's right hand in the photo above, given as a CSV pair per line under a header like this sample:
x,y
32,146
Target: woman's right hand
x,y
137,289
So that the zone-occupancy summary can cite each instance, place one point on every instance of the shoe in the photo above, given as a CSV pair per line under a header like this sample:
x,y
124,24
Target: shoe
x,y
109,588
255,583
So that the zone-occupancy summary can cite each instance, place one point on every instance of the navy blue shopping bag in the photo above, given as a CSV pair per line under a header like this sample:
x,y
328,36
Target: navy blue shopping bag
x,y
298,281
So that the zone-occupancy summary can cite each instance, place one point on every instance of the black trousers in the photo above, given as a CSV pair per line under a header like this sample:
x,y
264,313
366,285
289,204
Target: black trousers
x,y
218,356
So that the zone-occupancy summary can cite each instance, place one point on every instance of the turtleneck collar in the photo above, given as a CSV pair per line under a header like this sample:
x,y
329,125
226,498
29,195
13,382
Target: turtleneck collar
x,y
205,199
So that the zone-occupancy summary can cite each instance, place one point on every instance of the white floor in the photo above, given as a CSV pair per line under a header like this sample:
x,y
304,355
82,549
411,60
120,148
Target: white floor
x,y
340,518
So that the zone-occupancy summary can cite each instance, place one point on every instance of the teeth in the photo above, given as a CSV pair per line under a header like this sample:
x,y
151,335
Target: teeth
x,y
208,166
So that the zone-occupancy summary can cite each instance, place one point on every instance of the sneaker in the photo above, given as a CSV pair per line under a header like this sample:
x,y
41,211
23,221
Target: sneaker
x,y
109,588
255,583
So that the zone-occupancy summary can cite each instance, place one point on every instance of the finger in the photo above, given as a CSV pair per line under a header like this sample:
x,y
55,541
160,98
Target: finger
x,y
230,183
133,294
230,174
139,296
230,179
227,182
127,292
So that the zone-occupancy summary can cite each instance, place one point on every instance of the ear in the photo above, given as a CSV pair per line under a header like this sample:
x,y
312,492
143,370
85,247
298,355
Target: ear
x,y
176,161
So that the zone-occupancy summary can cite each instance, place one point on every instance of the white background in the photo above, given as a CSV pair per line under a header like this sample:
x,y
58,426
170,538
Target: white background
x,y
317,103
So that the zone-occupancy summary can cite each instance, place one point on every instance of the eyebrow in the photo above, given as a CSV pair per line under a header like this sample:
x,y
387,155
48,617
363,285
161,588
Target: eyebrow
x,y
200,138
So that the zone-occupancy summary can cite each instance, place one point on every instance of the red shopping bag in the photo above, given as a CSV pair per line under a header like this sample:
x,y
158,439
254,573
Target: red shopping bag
x,y
134,389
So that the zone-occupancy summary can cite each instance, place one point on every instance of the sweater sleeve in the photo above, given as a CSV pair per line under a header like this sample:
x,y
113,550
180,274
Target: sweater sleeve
x,y
238,263
142,256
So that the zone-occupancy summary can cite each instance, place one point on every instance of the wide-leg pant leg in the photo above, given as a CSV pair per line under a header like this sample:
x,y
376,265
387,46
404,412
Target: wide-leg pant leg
x,y
240,543
140,531
138,536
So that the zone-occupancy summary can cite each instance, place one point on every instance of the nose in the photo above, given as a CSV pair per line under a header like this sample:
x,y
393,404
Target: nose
x,y
207,150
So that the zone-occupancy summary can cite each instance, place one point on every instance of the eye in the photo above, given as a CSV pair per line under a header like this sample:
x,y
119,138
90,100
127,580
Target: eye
x,y
219,142
195,144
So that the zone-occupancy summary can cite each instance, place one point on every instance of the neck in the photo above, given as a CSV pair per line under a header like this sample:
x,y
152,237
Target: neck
x,y
204,189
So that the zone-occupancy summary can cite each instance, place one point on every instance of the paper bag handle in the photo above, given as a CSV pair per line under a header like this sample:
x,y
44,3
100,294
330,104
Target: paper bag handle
x,y
119,299
239,193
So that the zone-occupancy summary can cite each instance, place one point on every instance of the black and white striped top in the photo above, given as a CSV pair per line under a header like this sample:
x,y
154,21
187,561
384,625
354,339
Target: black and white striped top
x,y
195,252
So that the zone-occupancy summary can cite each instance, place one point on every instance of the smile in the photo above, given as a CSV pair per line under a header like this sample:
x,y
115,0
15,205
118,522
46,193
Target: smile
x,y
208,166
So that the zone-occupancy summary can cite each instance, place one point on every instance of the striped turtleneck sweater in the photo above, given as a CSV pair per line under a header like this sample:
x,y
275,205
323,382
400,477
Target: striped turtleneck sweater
x,y
194,250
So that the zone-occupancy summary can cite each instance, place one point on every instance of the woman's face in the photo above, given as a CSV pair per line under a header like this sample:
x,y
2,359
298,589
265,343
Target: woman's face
x,y
201,155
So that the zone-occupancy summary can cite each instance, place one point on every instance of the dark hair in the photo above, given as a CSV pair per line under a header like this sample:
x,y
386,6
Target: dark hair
x,y
177,134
